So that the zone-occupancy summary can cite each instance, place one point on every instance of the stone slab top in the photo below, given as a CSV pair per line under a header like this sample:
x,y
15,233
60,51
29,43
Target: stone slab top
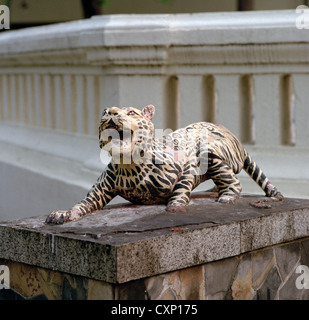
x,y
128,242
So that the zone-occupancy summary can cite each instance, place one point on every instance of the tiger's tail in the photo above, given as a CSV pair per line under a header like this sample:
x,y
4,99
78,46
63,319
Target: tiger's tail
x,y
259,177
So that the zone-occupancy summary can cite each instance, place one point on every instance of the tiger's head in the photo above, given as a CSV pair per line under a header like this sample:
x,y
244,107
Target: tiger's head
x,y
125,132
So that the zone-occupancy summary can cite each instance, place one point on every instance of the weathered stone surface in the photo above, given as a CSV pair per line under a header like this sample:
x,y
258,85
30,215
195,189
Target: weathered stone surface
x,y
287,256
262,262
24,279
51,283
154,286
304,294
99,290
253,275
168,294
73,288
185,284
242,285
126,243
192,284
304,252
288,290
269,289
218,278
271,229
135,290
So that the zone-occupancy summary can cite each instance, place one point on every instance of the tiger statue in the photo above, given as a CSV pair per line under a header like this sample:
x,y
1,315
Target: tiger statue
x,y
146,169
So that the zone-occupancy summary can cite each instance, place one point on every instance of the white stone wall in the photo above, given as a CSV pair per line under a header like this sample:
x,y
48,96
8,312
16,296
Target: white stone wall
x,y
246,70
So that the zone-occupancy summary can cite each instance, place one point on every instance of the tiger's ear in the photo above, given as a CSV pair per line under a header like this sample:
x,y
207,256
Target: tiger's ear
x,y
148,112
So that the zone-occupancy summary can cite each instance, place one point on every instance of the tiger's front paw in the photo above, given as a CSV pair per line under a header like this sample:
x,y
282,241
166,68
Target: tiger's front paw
x,y
58,217
227,198
62,216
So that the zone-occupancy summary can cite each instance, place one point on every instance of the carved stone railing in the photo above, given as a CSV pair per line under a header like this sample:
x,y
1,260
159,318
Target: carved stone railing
x,y
248,71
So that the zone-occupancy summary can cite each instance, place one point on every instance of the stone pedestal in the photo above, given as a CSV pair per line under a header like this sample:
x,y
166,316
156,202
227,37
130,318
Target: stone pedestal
x,y
214,251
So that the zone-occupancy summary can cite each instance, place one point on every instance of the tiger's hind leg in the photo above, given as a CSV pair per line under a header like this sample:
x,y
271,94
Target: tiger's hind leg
x,y
228,185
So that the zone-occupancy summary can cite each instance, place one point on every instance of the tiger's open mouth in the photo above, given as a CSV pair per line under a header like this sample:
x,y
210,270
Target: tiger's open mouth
x,y
116,136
